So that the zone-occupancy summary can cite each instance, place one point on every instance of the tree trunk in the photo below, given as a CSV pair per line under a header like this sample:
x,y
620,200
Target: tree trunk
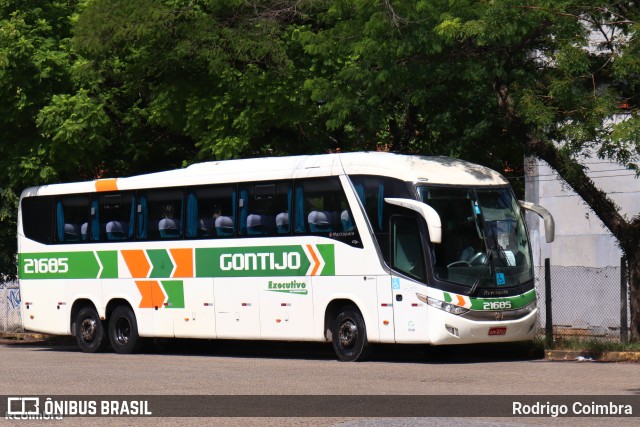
x,y
403,133
633,261
627,232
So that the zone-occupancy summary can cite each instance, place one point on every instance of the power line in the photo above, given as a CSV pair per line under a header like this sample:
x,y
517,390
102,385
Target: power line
x,y
590,172
536,178
576,195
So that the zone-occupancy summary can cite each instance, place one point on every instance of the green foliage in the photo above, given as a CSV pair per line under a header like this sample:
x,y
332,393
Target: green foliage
x,y
34,64
35,59
215,75
8,224
112,87
74,127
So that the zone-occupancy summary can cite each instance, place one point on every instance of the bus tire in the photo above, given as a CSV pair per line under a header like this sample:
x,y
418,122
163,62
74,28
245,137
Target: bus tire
x,y
90,331
349,335
123,330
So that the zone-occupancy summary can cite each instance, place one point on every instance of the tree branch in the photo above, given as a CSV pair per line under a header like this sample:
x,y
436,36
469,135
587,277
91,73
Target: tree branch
x,y
573,173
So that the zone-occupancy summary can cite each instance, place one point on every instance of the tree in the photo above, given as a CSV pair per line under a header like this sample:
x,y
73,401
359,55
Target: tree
x,y
35,62
155,84
448,77
109,88
587,69
211,78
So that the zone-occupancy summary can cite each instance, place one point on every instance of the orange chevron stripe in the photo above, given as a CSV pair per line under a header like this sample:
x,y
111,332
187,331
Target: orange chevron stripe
x,y
315,259
461,301
183,259
136,262
151,292
109,184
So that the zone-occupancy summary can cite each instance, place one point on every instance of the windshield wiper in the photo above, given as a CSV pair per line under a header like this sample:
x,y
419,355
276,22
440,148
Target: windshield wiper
x,y
474,289
514,275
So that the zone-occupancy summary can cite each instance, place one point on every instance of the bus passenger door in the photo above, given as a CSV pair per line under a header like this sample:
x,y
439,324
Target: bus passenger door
x,y
385,309
409,313
409,278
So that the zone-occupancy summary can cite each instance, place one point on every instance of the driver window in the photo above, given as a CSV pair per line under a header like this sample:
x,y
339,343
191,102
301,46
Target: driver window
x,y
407,252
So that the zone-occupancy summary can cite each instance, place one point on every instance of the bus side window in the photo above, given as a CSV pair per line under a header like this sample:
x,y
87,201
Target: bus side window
x,y
321,208
210,212
160,214
372,190
72,216
407,255
117,217
37,218
264,208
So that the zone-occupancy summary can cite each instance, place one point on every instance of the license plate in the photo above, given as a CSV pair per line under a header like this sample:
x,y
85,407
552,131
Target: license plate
x,y
498,331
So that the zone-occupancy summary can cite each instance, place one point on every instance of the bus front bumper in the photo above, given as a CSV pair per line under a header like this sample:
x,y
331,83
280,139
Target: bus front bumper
x,y
446,328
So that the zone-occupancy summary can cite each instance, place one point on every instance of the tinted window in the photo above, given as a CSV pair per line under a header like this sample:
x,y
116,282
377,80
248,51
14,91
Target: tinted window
x,y
407,251
72,219
37,221
372,190
321,207
264,208
211,212
115,219
160,215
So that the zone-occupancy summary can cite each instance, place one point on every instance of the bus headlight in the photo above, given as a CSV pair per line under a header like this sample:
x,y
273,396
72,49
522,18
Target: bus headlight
x,y
441,305
530,307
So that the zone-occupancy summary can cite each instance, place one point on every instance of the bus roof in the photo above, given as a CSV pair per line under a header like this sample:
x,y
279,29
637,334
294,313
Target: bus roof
x,y
412,168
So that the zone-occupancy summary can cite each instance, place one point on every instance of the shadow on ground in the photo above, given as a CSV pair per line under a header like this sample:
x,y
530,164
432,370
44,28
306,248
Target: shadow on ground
x,y
472,353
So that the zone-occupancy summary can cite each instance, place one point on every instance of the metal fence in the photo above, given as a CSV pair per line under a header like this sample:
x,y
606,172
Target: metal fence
x,y
586,302
10,320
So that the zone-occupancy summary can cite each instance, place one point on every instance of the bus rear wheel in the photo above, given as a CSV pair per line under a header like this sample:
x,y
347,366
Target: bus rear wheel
x,y
90,331
349,335
123,330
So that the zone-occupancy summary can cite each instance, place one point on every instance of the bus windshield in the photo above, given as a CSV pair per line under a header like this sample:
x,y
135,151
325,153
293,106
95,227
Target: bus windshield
x,y
484,240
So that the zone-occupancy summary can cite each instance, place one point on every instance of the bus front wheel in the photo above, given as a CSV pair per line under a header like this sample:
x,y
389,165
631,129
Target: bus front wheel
x,y
90,331
123,330
349,335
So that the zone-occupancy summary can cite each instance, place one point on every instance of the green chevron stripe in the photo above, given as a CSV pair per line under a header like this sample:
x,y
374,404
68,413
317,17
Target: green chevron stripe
x,y
175,293
109,261
161,263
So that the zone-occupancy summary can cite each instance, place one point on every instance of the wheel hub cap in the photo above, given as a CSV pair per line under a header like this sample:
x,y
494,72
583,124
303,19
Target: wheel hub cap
x,y
88,329
123,330
348,334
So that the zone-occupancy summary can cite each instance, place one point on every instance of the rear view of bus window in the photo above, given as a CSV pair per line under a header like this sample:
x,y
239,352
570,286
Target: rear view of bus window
x,y
72,219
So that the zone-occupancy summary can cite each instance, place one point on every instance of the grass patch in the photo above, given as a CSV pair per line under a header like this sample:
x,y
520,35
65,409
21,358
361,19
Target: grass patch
x,y
596,346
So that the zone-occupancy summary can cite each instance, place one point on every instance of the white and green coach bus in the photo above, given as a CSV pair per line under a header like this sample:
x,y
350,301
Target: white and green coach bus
x,y
352,248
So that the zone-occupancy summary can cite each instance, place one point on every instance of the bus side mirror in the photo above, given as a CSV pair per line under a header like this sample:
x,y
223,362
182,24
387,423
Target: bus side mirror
x,y
434,225
549,223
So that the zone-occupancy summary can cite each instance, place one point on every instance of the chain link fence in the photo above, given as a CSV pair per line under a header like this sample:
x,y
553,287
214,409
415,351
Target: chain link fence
x,y
586,302
10,320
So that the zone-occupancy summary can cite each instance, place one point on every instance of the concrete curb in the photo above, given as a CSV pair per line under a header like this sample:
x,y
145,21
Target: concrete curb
x,y
592,356
22,337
